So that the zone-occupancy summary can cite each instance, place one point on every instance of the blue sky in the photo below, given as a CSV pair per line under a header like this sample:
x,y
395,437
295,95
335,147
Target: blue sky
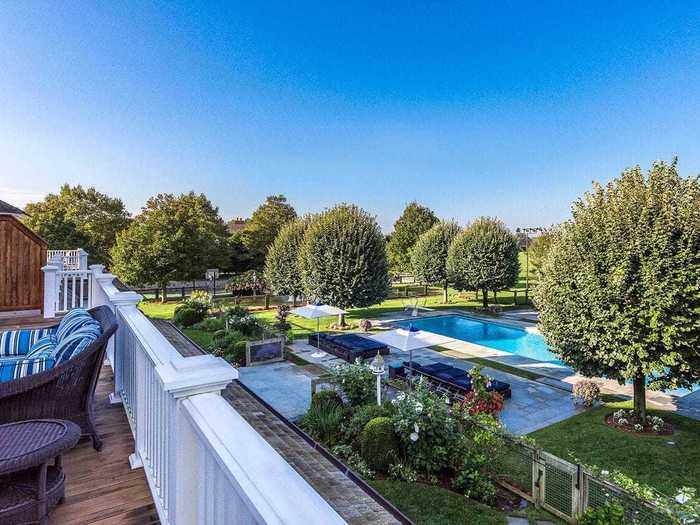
x,y
493,108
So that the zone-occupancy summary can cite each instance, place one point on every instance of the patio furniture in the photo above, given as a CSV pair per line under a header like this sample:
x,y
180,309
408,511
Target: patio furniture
x,y
65,389
348,346
452,377
29,484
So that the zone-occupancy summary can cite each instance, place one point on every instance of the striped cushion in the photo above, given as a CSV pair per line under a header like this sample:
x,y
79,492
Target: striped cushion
x,y
17,368
76,343
16,343
46,343
71,322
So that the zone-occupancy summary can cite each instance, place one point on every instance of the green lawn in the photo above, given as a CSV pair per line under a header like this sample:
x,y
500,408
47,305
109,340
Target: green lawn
x,y
646,459
429,505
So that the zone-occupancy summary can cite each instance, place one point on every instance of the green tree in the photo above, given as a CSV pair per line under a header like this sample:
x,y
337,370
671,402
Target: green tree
x,y
343,259
264,225
79,218
484,257
619,294
429,259
282,273
173,238
537,251
414,221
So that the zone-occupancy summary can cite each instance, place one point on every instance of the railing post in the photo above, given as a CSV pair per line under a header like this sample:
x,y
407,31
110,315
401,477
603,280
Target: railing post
x,y
82,259
182,379
50,289
122,301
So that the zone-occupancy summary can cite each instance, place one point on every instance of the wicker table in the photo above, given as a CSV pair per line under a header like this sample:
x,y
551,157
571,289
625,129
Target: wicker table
x,y
31,477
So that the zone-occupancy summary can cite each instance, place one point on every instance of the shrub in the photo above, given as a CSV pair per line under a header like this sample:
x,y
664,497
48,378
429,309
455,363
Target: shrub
x,y
248,324
236,353
586,393
360,417
281,322
479,400
610,514
365,325
326,397
403,472
323,422
378,443
356,380
425,426
210,324
200,297
472,482
230,345
186,316
235,310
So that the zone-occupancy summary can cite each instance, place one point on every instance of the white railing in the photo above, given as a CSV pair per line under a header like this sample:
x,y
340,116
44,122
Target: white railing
x,y
74,289
71,259
204,463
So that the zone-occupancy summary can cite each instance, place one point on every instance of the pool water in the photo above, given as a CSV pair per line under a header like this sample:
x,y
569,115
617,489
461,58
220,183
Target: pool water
x,y
493,335
500,337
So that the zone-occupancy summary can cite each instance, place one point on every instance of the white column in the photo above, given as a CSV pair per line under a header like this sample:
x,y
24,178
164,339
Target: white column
x,y
50,290
83,259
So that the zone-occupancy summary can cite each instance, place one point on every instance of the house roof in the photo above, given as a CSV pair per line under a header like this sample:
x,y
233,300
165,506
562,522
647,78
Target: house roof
x,y
9,209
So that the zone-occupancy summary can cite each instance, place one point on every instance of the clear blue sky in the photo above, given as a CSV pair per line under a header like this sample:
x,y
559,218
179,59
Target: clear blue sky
x,y
491,108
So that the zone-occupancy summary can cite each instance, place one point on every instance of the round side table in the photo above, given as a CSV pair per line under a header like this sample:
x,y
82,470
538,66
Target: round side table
x,y
31,476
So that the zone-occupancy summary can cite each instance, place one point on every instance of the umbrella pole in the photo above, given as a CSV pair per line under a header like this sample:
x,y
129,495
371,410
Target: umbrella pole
x,y
410,366
318,333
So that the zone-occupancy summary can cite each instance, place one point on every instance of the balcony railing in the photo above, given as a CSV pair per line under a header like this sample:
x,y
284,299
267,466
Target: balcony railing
x,y
204,463
70,259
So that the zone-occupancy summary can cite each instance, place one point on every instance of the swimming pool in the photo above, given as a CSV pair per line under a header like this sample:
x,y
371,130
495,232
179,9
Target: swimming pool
x,y
493,335
499,337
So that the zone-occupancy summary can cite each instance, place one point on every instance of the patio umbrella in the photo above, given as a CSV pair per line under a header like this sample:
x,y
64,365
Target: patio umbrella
x,y
407,340
316,311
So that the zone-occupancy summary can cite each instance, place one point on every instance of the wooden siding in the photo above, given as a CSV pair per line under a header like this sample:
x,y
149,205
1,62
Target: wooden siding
x,y
22,255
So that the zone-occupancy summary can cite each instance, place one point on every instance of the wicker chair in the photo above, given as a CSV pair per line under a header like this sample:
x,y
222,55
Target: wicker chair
x,y
63,392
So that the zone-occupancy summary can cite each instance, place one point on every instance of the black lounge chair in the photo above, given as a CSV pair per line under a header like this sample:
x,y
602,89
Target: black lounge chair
x,y
454,377
348,346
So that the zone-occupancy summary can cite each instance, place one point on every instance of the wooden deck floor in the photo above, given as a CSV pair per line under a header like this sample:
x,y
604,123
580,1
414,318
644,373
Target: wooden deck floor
x,y
101,488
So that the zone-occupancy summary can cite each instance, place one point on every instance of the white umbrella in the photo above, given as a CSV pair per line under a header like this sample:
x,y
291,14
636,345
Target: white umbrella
x,y
407,340
316,311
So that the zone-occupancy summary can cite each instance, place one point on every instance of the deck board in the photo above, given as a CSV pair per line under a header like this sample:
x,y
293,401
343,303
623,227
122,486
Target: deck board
x,y
101,487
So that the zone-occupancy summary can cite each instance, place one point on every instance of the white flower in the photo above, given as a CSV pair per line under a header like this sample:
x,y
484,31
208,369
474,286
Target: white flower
x,y
414,436
622,421
401,396
682,497
419,407
415,427
604,472
638,427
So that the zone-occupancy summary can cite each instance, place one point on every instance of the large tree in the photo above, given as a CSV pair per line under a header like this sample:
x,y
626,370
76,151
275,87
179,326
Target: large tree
x,y
429,259
537,251
172,239
264,225
76,217
282,272
484,257
414,221
343,259
619,294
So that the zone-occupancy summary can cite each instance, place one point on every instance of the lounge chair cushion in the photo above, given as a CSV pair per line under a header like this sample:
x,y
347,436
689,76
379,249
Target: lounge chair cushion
x,y
46,343
436,367
451,374
17,343
20,367
75,343
355,342
72,321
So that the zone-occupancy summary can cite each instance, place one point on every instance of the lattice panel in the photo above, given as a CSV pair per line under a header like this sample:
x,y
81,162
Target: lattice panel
x,y
514,466
599,493
560,486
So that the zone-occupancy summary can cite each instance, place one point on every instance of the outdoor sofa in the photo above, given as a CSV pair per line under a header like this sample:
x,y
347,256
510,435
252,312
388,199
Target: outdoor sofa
x,y
349,347
452,377
51,373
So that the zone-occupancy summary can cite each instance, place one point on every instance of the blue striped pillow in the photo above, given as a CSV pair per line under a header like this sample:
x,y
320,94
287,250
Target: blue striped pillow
x,y
72,321
46,343
16,343
72,345
17,368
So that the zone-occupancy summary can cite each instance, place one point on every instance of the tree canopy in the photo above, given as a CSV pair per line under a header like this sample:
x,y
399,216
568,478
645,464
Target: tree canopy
x,y
484,257
262,228
429,258
619,294
173,238
343,258
76,217
282,272
537,251
414,221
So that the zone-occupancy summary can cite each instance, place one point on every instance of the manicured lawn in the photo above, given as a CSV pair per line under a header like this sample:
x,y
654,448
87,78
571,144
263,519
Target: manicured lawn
x,y
646,459
428,505
201,337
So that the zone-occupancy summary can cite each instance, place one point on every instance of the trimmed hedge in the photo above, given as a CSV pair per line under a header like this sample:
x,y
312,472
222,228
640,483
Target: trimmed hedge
x,y
378,444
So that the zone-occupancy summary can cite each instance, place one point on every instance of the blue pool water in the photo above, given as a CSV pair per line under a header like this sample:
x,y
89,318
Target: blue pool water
x,y
500,337
493,335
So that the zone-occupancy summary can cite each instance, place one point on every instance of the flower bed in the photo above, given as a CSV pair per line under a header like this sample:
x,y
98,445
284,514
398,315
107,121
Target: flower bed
x,y
629,421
